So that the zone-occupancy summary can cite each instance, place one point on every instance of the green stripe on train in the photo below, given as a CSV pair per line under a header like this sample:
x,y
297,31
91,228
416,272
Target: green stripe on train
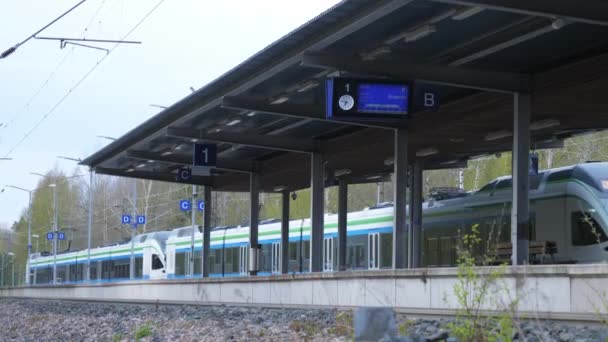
x,y
138,249
292,230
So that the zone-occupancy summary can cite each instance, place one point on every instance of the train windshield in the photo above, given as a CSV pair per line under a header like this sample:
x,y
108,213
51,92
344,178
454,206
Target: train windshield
x,y
594,175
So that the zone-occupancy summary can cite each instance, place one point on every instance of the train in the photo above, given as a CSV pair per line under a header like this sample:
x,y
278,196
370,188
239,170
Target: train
x,y
568,206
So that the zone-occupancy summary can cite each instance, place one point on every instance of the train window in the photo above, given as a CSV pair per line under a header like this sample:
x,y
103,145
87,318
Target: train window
x,y
504,184
559,175
488,187
139,267
586,230
157,264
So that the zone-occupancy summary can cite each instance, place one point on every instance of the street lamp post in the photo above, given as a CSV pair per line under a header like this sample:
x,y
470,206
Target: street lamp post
x,y
37,237
29,224
90,218
12,255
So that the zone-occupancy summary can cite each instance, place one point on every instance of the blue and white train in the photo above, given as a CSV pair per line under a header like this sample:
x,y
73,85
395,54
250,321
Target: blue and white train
x,y
569,206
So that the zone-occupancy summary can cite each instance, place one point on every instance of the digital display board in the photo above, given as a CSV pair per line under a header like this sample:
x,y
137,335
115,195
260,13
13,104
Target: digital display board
x,y
383,98
367,99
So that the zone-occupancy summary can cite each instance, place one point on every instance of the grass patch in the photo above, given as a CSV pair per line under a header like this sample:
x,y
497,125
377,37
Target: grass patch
x,y
143,331
343,324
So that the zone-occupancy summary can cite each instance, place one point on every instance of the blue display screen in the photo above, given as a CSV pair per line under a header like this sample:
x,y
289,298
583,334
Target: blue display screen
x,y
383,98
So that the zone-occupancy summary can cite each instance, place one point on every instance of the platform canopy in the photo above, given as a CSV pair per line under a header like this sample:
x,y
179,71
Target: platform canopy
x,y
268,113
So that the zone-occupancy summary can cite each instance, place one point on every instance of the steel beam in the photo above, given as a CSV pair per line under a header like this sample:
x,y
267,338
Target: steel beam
x,y
437,74
254,215
342,222
520,208
206,231
191,106
226,165
253,140
400,200
415,233
307,112
163,177
317,208
285,232
594,12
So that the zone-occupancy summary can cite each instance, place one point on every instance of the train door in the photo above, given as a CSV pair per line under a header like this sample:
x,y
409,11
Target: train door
x,y
243,260
276,257
328,254
373,255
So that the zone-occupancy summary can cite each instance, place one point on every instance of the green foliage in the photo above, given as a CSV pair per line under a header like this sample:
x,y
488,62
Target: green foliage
x,y
404,327
143,331
117,338
475,291
343,325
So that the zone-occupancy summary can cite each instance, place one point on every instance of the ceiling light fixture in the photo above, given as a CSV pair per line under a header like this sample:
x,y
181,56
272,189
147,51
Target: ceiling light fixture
x,y
250,114
542,124
167,152
139,166
377,52
389,161
233,122
307,86
130,170
342,172
280,188
497,135
426,152
280,99
419,33
466,13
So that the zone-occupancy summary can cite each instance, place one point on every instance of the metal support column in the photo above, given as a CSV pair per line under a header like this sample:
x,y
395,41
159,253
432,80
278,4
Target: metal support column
x,y
55,234
206,231
317,208
400,200
342,223
90,225
254,214
133,228
285,232
520,209
192,234
415,233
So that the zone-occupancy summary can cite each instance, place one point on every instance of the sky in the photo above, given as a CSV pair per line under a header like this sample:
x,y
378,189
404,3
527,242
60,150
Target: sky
x,y
185,43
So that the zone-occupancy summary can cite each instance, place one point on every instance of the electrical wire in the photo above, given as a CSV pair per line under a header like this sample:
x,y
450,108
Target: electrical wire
x,y
79,82
53,73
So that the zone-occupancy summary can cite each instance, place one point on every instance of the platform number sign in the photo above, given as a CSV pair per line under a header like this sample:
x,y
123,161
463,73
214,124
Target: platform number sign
x,y
184,205
204,155
61,236
141,219
125,219
50,236
201,205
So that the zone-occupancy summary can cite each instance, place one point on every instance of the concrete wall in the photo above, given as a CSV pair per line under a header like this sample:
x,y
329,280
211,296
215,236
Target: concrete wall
x,y
556,291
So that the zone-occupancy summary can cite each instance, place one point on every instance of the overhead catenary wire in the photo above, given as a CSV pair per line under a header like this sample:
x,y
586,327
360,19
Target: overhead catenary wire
x,y
53,73
79,82
12,49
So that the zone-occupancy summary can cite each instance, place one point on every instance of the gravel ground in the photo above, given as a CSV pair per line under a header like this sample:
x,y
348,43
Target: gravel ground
x,y
43,320
38,320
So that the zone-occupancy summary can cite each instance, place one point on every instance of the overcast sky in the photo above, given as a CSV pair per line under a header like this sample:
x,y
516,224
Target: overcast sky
x,y
185,43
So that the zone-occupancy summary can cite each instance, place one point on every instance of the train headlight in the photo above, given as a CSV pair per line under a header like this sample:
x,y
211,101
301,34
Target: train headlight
x,y
605,184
